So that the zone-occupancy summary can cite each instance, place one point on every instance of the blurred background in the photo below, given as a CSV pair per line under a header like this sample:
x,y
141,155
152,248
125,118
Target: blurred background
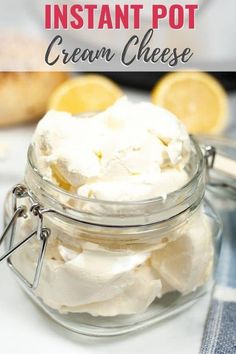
x,y
146,80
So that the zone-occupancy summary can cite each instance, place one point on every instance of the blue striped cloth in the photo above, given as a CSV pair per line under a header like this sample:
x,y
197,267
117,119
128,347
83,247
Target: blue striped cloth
x,y
219,336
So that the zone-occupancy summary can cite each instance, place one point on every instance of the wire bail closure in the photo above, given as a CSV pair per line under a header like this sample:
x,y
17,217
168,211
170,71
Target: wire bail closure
x,y
41,233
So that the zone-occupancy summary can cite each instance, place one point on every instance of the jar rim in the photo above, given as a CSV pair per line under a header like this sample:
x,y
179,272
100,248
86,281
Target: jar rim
x,y
106,212
110,202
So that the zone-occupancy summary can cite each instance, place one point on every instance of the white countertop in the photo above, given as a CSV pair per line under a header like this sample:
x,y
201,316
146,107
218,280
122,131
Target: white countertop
x,y
24,328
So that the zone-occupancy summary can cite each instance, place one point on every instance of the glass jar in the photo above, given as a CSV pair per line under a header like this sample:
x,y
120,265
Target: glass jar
x,y
106,268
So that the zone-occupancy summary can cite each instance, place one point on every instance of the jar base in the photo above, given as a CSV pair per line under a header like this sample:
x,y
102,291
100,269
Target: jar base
x,y
85,324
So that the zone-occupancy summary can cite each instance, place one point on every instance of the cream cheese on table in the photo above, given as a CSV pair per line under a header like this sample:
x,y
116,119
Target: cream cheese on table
x,y
130,152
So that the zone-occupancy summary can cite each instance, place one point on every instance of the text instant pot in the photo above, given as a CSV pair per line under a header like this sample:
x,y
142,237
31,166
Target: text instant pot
x,y
95,18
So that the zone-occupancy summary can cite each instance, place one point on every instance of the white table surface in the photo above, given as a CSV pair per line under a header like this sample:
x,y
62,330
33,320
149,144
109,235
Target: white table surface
x,y
26,329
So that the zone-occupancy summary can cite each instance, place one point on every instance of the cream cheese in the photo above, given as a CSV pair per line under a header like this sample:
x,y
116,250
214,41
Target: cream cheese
x,y
130,152
136,149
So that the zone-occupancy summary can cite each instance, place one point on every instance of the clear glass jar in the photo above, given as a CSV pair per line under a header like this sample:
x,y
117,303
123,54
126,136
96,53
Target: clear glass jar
x,y
107,268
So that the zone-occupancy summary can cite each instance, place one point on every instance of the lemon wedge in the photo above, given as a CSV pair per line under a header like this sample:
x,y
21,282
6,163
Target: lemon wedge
x,y
86,93
196,98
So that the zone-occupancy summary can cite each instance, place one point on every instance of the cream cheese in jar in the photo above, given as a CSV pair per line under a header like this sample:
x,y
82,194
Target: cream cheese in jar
x,y
128,153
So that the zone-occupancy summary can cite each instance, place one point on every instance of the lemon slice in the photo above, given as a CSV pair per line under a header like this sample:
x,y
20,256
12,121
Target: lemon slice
x,y
197,99
87,93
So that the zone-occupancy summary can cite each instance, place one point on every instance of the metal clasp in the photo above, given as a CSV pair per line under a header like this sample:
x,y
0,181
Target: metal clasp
x,y
41,233
218,162
209,154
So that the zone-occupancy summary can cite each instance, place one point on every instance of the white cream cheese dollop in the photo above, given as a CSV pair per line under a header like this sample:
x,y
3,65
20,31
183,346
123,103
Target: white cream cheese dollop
x,y
129,152
135,150
96,276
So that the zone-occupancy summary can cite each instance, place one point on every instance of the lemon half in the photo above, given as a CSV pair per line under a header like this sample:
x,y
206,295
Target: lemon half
x,y
196,98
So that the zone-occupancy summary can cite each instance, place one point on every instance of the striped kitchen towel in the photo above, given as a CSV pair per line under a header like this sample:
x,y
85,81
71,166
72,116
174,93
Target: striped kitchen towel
x,y
219,336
